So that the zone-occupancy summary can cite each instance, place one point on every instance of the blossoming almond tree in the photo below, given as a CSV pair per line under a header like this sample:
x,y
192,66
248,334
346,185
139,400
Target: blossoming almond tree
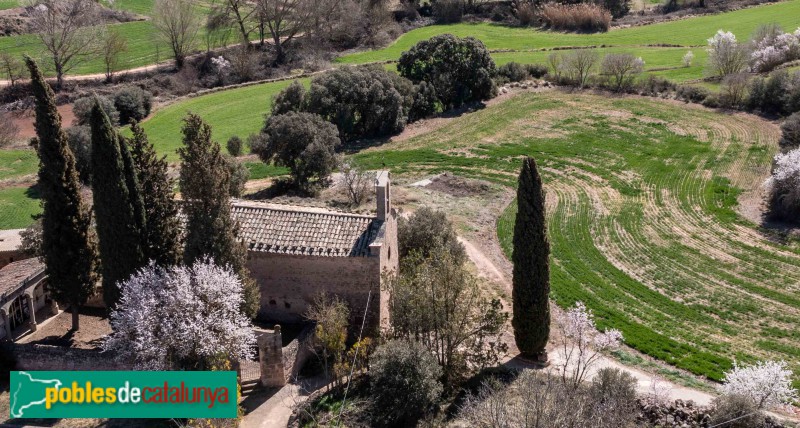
x,y
767,383
184,317
581,344
725,55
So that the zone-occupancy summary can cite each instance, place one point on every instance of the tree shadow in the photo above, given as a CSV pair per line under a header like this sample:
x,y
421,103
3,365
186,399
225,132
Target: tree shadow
x,y
287,187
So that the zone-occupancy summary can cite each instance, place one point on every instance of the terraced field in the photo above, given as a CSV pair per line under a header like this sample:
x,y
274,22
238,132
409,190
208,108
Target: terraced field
x,y
642,199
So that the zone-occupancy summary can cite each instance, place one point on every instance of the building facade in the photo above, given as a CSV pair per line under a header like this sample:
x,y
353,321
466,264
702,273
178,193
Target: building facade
x,y
298,253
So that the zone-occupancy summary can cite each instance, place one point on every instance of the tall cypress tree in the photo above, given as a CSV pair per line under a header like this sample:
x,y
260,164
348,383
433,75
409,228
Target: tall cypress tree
x,y
531,320
118,226
210,230
162,231
68,247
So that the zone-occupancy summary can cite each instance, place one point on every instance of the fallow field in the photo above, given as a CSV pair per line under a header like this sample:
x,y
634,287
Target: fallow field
x,y
642,199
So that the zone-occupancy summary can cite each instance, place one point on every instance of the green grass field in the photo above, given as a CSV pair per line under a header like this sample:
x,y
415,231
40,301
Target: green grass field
x,y
641,197
17,163
17,206
8,4
686,32
233,112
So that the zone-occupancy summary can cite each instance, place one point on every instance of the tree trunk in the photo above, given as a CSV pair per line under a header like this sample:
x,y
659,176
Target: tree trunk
x,y
75,318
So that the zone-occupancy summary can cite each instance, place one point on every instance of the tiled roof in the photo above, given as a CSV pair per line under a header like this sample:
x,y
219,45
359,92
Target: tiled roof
x,y
283,229
12,274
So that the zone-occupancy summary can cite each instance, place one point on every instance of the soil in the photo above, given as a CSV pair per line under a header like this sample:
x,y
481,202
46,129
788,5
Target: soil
x,y
25,121
57,331
457,186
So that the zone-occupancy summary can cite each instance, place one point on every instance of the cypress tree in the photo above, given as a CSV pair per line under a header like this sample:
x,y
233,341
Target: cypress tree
x,y
118,226
531,320
162,231
210,230
68,247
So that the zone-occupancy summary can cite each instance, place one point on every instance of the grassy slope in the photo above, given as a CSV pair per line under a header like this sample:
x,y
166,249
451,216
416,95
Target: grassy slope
x,y
637,208
16,163
233,112
8,4
686,32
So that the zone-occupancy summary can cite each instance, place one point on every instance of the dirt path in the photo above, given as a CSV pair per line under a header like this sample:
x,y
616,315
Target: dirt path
x,y
277,406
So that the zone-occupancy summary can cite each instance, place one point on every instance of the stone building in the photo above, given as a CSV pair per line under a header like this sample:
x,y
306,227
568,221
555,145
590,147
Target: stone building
x,y
22,294
297,253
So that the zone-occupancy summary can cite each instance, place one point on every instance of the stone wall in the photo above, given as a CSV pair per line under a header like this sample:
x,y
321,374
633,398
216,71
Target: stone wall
x,y
31,356
289,284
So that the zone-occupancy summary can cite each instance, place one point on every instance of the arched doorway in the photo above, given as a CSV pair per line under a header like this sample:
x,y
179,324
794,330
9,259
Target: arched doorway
x,y
18,313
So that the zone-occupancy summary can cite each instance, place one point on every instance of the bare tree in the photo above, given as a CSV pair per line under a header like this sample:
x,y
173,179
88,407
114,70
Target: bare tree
x,y
621,69
8,129
554,61
177,23
357,182
218,28
578,65
11,67
113,45
68,30
242,14
285,20
733,92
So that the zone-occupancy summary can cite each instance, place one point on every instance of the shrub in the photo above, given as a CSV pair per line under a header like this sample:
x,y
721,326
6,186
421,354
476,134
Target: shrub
x,y
655,85
8,129
536,71
692,94
621,70
460,70
363,102
79,139
614,389
426,103
584,17
735,411
772,47
790,133
526,13
290,99
513,72
448,11
239,174
725,55
234,146
426,230
404,383
303,142
617,8
770,95
578,65
133,104
82,109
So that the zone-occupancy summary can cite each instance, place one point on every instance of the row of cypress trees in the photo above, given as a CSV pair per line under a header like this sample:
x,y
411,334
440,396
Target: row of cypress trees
x,y
136,215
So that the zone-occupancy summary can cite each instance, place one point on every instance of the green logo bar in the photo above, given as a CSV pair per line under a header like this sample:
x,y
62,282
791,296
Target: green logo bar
x,y
106,394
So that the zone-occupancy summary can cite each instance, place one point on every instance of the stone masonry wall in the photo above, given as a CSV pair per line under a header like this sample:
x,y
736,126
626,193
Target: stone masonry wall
x,y
45,357
289,284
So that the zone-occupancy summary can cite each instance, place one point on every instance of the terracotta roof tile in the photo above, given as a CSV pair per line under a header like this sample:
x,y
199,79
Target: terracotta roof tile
x,y
12,275
304,231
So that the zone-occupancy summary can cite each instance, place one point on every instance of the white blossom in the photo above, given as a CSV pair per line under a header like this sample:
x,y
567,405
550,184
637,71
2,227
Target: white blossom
x,y
787,169
767,383
581,342
220,63
170,318
725,55
771,52
688,58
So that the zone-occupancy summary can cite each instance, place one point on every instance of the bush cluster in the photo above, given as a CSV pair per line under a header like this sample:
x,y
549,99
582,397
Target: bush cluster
x,y
582,17
460,70
516,72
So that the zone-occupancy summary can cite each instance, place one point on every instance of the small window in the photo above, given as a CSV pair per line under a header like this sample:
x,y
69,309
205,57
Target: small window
x,y
390,253
273,302
287,305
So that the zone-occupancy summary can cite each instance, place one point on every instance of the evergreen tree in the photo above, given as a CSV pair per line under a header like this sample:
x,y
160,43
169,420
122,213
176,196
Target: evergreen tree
x,y
162,232
210,230
68,247
117,206
531,320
